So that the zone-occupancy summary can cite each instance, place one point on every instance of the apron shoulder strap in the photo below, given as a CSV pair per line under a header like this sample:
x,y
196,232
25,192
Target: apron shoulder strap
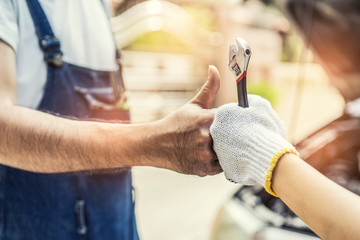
x,y
49,44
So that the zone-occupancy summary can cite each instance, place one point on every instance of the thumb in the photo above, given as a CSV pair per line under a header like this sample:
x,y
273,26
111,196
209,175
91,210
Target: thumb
x,y
207,93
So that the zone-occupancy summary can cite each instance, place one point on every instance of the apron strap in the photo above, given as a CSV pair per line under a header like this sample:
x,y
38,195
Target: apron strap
x,y
51,47
49,44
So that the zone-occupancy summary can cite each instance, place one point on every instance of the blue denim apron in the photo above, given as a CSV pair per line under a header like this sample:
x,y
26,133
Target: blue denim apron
x,y
73,205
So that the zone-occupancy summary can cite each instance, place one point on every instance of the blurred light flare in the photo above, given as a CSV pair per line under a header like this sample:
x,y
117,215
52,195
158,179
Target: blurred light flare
x,y
154,7
216,39
155,23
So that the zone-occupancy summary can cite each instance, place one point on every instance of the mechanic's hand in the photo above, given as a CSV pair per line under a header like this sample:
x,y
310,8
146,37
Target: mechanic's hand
x,y
186,140
247,139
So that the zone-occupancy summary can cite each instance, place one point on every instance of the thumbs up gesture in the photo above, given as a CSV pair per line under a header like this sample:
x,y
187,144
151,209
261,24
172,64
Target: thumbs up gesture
x,y
186,144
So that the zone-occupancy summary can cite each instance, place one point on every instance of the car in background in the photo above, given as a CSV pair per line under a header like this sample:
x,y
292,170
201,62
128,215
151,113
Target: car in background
x,y
331,29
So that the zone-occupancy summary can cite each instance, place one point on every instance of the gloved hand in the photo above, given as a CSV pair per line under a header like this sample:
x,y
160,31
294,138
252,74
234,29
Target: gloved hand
x,y
249,141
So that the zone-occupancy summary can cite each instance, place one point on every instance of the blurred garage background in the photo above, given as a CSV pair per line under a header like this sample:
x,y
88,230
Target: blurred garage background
x,y
167,47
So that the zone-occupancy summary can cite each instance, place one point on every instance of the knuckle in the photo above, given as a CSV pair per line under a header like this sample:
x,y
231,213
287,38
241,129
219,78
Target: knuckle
x,y
203,162
206,156
202,169
204,134
202,141
213,170
206,118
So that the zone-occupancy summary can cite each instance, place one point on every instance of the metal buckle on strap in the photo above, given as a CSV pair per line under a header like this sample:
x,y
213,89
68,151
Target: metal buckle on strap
x,y
55,60
49,43
51,48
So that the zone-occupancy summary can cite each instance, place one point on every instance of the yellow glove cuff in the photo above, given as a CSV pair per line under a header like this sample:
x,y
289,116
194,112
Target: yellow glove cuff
x,y
272,166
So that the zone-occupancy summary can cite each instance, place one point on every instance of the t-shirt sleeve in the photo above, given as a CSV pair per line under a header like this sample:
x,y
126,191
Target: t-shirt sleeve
x,y
8,23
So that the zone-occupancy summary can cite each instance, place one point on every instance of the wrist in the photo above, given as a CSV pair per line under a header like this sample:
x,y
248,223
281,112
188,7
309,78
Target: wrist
x,y
131,144
264,150
160,145
283,168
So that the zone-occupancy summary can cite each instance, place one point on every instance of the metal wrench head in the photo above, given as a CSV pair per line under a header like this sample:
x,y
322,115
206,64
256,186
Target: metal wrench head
x,y
239,57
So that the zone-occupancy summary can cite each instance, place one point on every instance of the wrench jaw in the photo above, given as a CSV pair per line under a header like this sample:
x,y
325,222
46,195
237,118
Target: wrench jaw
x,y
245,50
234,61
239,58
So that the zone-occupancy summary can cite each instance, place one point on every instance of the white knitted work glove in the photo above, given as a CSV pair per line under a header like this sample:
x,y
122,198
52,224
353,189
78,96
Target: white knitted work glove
x,y
249,141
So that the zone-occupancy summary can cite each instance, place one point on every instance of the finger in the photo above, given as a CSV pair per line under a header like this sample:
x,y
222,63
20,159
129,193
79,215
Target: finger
x,y
216,168
208,169
215,164
207,93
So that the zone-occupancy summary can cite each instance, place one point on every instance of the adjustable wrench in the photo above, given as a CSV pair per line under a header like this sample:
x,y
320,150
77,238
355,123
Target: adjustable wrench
x,y
239,58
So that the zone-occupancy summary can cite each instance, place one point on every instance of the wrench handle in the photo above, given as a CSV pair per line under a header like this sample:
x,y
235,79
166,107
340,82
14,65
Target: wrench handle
x,y
241,91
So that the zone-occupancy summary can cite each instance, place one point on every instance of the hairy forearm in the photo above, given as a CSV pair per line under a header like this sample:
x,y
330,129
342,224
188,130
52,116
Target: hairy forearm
x,y
330,210
40,142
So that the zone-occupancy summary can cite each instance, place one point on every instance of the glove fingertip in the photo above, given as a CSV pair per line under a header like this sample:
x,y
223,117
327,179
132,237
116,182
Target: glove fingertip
x,y
230,180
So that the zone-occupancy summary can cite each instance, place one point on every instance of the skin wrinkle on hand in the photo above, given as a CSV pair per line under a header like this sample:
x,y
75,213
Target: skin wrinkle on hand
x,y
192,144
